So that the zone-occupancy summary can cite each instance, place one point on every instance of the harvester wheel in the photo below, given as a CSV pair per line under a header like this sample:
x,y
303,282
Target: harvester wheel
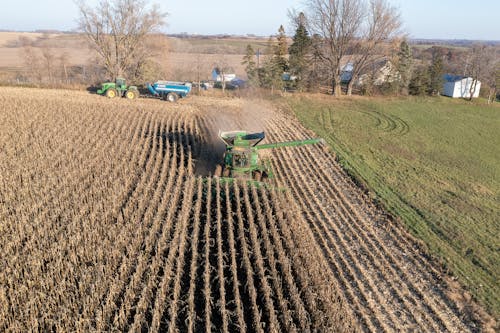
x,y
218,171
131,94
172,97
264,176
111,93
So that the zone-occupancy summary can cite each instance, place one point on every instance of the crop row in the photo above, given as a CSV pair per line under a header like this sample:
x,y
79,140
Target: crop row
x,y
104,226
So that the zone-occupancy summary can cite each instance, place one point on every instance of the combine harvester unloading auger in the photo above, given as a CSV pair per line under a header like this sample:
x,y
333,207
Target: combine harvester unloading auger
x,y
241,157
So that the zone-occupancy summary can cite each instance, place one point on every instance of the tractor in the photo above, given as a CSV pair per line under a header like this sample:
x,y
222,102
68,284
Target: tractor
x,y
118,88
241,158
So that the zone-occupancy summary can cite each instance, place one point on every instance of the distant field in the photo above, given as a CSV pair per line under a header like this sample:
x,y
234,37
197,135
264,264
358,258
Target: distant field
x,y
185,57
433,162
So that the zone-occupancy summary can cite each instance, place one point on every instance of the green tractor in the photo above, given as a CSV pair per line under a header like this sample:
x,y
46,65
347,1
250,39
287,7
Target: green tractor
x,y
241,158
118,88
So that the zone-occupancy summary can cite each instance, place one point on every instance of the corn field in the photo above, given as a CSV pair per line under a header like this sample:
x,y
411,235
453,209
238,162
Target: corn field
x,y
108,224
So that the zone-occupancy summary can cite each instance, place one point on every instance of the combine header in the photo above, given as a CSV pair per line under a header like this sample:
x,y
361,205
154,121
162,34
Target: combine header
x,y
241,158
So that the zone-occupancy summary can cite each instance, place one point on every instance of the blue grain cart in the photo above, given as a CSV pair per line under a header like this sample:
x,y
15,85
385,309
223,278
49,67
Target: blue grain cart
x,y
169,90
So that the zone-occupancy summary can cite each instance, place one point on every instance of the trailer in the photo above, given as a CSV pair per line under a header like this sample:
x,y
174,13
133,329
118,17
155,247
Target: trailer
x,y
169,90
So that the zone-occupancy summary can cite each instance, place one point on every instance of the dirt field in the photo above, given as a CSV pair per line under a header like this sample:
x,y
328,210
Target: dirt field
x,y
108,222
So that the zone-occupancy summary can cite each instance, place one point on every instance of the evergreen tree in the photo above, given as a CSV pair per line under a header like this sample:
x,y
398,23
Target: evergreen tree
x,y
419,83
404,67
250,66
270,75
299,50
436,72
281,50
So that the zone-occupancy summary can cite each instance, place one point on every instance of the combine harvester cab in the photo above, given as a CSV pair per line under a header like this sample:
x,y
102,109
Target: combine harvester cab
x,y
241,157
169,90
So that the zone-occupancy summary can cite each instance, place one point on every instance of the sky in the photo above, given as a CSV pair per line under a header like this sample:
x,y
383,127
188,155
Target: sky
x,y
429,19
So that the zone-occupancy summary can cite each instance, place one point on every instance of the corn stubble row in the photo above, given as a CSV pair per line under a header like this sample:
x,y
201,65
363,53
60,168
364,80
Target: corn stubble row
x,y
105,227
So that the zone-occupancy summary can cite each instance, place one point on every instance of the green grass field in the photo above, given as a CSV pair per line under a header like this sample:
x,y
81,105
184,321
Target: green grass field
x,y
435,163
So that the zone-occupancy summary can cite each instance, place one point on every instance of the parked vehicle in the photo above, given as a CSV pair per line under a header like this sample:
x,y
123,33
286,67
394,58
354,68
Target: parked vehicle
x,y
118,88
169,90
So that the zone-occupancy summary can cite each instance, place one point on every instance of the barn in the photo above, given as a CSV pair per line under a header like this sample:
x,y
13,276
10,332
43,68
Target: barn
x,y
460,86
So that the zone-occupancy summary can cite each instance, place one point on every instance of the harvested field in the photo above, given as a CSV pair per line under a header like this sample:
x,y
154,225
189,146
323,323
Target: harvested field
x,y
109,221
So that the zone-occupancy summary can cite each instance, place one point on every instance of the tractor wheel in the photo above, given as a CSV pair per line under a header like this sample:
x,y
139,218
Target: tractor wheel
x,y
257,175
172,97
111,93
218,171
131,94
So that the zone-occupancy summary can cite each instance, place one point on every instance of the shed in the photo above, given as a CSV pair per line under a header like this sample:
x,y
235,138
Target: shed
x,y
458,86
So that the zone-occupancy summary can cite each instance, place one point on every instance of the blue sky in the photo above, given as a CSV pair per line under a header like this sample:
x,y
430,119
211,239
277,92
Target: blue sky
x,y
447,19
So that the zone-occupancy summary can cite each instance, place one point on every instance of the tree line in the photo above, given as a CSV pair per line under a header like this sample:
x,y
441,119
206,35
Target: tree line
x,y
358,45
344,45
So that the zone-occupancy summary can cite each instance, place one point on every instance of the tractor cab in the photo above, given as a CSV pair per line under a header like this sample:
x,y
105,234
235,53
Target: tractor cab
x,y
121,83
118,88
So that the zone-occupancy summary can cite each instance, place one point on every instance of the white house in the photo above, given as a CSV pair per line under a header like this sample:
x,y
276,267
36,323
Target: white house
x,y
227,76
457,86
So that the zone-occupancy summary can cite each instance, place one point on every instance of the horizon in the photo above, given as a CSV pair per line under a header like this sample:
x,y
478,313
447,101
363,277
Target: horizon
x,y
420,20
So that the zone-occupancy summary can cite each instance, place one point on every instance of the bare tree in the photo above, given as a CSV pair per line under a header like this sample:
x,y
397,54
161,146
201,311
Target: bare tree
x,y
117,30
31,60
337,23
481,63
48,57
351,31
381,27
491,74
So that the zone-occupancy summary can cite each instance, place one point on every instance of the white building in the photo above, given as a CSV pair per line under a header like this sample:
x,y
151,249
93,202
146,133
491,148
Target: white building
x,y
460,86
219,76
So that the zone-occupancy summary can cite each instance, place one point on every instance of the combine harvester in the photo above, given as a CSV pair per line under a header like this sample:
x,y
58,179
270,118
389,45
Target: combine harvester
x,y
241,158
169,90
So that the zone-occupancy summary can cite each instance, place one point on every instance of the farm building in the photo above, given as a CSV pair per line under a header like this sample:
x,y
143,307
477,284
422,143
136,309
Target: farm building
x,y
226,75
458,86
378,73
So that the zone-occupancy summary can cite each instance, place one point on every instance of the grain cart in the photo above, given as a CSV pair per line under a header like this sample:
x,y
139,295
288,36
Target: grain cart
x,y
241,158
169,90
118,88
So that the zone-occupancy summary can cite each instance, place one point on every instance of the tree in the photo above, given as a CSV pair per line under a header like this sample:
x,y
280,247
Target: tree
x,y
337,23
31,60
436,72
419,83
481,65
250,66
495,83
117,30
381,25
270,74
299,52
221,66
281,50
48,57
404,67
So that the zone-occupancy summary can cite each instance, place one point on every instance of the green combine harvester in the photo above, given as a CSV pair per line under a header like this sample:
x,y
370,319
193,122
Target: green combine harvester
x,y
241,158
118,88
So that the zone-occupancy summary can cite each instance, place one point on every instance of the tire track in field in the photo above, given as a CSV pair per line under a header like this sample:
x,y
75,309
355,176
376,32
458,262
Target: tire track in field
x,y
388,260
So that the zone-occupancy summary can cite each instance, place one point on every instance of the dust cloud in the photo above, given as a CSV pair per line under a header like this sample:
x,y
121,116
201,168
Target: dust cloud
x,y
245,115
